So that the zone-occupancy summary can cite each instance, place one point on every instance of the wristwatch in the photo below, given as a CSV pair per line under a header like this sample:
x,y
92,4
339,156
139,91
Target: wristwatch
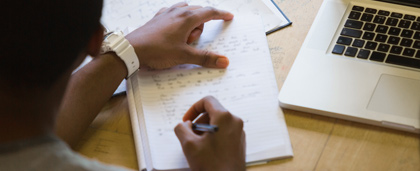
x,y
116,42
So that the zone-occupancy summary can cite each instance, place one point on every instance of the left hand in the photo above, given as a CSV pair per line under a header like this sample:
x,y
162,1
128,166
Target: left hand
x,y
163,41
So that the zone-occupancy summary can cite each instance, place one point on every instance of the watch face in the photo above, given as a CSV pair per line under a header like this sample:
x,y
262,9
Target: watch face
x,y
106,34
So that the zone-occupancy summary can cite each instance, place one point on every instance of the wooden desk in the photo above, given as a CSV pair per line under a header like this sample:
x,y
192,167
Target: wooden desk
x,y
319,143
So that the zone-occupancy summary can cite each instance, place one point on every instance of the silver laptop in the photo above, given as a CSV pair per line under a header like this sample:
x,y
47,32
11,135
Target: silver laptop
x,y
360,61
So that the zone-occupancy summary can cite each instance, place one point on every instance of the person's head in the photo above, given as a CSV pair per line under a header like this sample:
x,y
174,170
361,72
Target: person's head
x,y
41,39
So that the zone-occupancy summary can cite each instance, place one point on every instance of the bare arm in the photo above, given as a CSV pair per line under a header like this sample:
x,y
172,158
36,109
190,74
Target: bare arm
x,y
88,91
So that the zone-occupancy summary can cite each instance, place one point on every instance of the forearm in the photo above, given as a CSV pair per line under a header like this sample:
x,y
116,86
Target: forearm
x,y
87,92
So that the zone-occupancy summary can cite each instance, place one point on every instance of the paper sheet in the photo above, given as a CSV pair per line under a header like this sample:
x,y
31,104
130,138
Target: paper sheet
x,y
247,88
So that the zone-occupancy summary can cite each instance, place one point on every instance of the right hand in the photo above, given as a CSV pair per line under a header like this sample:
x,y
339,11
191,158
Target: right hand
x,y
222,150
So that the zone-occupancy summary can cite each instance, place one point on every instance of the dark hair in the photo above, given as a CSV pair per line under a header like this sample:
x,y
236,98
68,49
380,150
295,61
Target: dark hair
x,y
41,39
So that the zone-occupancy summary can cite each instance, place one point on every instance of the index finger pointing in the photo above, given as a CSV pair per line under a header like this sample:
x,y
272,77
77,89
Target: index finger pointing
x,y
207,104
209,13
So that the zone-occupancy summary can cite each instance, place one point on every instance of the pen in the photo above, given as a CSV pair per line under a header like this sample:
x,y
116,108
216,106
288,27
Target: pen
x,y
203,127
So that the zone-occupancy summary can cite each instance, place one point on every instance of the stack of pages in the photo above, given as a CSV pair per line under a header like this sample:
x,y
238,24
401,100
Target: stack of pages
x,y
247,88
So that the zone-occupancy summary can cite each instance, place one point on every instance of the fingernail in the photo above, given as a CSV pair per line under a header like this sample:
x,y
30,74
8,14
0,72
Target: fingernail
x,y
222,62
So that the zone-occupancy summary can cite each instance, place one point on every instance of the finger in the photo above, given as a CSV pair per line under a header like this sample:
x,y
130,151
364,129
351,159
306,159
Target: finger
x,y
192,7
161,11
205,58
207,104
209,13
243,142
203,119
195,34
179,4
184,132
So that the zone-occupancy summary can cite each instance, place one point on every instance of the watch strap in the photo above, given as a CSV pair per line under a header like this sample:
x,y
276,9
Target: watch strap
x,y
128,55
116,42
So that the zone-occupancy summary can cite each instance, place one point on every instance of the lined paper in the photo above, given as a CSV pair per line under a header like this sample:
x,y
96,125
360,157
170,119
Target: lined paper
x,y
247,88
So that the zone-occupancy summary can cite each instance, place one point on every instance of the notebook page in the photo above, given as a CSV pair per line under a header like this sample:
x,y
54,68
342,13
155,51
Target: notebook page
x,y
247,88
126,15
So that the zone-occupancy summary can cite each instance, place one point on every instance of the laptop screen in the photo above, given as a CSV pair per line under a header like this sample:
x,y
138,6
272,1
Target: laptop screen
x,y
413,3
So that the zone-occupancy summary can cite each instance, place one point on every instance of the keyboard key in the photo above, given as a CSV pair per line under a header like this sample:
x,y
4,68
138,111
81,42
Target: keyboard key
x,y
406,42
392,21
371,45
416,35
379,19
358,43
351,51
404,61
381,38
383,47
358,8
396,50
407,33
416,26
338,49
367,17
344,40
409,17
394,40
351,32
416,45
396,15
409,52
353,24
383,12
394,31
363,54
418,54
382,29
368,36
377,56
404,24
371,10
355,15
369,27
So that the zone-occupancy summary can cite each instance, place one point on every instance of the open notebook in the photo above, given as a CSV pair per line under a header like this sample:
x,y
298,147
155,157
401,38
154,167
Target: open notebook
x,y
247,88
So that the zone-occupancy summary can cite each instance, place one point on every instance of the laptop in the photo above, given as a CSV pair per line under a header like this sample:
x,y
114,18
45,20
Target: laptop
x,y
361,62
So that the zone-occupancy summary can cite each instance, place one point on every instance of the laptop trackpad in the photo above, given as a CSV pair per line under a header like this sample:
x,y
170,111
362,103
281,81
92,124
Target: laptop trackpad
x,y
397,95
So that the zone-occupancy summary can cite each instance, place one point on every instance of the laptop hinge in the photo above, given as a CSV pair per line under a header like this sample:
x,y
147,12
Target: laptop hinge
x,y
411,3
398,126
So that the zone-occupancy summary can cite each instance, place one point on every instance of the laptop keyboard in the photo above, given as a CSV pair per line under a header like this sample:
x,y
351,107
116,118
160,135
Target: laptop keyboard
x,y
380,36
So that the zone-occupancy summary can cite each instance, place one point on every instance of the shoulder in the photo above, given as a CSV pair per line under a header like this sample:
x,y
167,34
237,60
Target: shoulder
x,y
53,154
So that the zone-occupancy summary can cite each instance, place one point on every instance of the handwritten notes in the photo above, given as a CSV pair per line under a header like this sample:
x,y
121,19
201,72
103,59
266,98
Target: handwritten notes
x,y
126,15
247,88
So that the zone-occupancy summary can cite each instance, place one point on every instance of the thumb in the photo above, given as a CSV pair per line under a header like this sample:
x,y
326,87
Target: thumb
x,y
184,131
206,58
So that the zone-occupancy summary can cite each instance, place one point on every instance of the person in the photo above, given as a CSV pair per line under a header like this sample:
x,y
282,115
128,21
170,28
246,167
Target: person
x,y
46,108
